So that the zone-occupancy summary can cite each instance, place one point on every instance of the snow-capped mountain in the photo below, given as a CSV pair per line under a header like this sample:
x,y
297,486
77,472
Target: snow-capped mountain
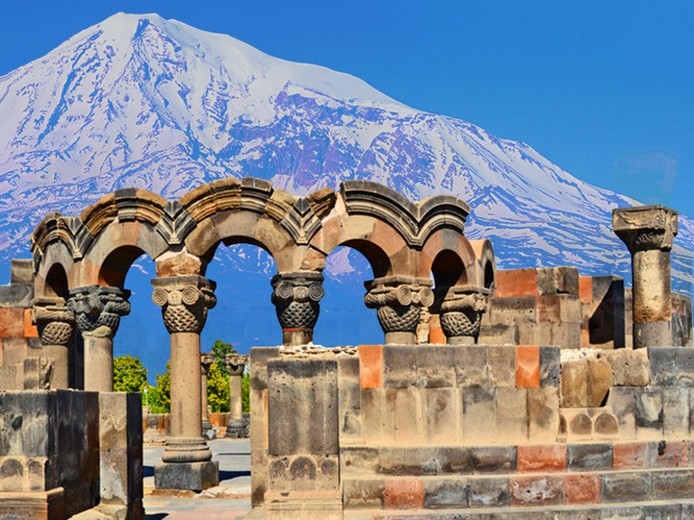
x,y
139,101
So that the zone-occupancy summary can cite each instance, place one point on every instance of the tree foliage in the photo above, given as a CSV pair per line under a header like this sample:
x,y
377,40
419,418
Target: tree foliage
x,y
220,349
129,375
159,396
217,389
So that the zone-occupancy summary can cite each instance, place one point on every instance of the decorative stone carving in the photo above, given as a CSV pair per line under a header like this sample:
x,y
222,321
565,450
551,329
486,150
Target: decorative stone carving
x,y
296,296
399,301
185,301
235,364
461,313
98,309
54,322
645,228
206,360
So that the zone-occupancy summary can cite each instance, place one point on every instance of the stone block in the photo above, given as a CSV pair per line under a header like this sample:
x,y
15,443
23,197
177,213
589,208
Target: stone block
x,y
479,414
8,378
489,492
446,494
672,485
558,280
631,455
625,487
363,493
11,322
671,366
574,384
442,414
649,413
501,363
543,414
47,505
359,460
370,366
194,476
404,493
582,489
589,457
511,415
622,402
410,425
669,454
409,461
435,367
259,359
676,409
303,473
492,459
527,366
579,423
516,282
542,458
378,414
397,364
550,366
599,381
536,491
629,367
471,366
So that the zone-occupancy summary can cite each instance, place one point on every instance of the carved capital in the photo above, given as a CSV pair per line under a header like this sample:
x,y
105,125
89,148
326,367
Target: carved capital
x,y
235,364
185,301
461,312
53,320
645,228
98,309
206,360
296,296
399,301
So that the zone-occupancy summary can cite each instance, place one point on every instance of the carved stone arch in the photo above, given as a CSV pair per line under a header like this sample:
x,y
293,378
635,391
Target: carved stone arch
x,y
252,211
55,228
447,239
485,265
56,254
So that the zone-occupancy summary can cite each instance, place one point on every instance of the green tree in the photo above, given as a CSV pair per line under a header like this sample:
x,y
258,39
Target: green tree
x,y
159,396
128,374
217,389
246,392
221,349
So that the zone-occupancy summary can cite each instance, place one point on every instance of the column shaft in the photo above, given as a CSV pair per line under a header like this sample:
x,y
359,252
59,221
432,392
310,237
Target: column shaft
x,y
186,413
98,363
652,305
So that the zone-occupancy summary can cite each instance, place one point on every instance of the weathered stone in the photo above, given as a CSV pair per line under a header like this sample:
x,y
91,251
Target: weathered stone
x,y
363,493
589,457
629,367
671,485
550,366
446,494
493,459
544,458
195,476
511,415
671,366
404,493
489,492
582,489
543,414
625,487
501,363
479,415
536,491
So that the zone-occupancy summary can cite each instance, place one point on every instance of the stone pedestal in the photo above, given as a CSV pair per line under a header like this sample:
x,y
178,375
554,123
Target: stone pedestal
x,y
186,460
237,427
206,361
56,326
97,311
296,296
399,301
461,313
648,232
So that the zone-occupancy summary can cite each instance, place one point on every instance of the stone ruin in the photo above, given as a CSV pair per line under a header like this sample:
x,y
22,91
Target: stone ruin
x,y
515,393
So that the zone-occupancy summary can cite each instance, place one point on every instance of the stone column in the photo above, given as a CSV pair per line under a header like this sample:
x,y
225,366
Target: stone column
x,y
56,326
461,314
97,312
296,296
399,301
206,360
237,427
648,232
186,460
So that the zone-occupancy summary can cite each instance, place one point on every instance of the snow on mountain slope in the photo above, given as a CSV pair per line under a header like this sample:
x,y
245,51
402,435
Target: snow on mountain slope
x,y
138,101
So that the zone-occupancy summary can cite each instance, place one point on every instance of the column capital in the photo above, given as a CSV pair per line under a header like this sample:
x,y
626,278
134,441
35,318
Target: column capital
x,y
185,301
296,296
399,300
235,363
53,320
644,228
98,309
206,360
461,313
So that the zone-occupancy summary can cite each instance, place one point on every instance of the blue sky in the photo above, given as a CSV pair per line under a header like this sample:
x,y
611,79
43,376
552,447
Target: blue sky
x,y
604,89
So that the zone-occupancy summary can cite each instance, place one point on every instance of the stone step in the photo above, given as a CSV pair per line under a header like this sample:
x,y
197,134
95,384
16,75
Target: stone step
x,y
647,510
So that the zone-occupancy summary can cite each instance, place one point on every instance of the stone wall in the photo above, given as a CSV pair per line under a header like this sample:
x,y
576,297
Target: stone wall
x,y
480,428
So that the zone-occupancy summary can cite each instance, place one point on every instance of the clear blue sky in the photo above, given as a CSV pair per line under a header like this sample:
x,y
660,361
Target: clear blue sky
x,y
605,89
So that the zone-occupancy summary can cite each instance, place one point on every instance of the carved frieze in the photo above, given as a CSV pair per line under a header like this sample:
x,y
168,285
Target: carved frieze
x,y
296,296
398,301
53,320
461,312
185,301
98,309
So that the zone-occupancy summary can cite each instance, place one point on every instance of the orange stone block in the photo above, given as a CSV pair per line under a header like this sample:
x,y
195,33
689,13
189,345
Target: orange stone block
x,y
436,335
370,366
11,322
582,489
670,454
585,289
551,457
517,282
527,366
404,493
631,455
30,330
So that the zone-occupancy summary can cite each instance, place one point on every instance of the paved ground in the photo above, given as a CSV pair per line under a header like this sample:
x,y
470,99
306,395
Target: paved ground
x,y
230,500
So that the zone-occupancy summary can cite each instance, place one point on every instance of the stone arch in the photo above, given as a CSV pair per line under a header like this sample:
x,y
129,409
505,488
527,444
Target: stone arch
x,y
485,265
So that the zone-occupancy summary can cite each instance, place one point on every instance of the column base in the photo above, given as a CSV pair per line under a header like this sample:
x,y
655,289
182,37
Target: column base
x,y
194,476
462,340
653,334
238,428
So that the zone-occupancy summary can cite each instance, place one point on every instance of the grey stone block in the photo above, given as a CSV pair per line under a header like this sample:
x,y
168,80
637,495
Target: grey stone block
x,y
625,487
582,457
489,492
194,476
550,366
671,366
409,461
672,484
493,459
363,493
259,360
446,494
